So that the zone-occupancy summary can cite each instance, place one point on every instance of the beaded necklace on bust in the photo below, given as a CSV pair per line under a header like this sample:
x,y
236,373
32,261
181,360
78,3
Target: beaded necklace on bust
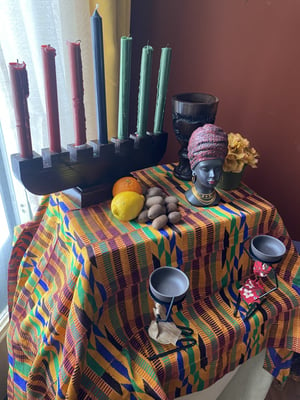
x,y
205,198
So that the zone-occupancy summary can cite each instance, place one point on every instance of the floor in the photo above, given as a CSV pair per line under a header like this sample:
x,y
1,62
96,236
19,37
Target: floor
x,y
290,391
249,382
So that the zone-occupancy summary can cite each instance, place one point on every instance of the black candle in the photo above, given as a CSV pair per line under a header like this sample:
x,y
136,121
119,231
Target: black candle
x,y
99,76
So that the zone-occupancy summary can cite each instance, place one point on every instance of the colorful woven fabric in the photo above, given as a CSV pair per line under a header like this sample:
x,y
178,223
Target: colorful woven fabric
x,y
80,304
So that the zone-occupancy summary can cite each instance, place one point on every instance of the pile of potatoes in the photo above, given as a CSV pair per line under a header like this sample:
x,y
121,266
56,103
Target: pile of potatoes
x,y
159,208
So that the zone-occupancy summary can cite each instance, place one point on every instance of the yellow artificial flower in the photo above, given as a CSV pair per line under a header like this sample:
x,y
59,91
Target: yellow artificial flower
x,y
239,154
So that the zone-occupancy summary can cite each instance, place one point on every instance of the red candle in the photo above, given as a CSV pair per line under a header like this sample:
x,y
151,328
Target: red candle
x,y
77,93
20,92
48,54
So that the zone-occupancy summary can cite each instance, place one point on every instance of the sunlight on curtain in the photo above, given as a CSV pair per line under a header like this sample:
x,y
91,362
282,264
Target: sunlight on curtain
x,y
25,26
116,23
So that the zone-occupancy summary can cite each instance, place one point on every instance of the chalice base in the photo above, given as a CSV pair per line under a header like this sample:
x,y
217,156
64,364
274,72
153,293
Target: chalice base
x,y
183,171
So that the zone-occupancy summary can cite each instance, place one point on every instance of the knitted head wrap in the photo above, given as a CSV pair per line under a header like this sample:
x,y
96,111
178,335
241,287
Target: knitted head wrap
x,y
207,142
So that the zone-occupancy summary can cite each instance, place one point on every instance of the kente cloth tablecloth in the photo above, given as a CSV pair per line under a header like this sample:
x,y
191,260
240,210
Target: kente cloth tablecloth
x,y
80,307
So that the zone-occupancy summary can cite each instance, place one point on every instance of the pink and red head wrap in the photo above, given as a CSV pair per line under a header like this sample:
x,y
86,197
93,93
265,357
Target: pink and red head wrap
x,y
207,142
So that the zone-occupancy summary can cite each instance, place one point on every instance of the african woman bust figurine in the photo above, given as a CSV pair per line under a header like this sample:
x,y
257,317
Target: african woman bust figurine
x,y
207,149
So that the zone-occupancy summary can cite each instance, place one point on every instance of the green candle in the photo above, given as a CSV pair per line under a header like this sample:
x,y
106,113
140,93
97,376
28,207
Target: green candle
x,y
162,85
144,90
124,86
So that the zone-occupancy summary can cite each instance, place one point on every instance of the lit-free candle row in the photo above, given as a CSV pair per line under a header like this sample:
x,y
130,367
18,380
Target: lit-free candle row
x,y
20,92
144,89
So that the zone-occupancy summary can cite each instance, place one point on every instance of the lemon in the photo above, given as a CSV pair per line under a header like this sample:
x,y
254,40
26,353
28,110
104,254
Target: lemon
x,y
127,205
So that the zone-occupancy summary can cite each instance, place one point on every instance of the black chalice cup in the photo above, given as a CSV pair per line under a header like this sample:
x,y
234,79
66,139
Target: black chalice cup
x,y
189,111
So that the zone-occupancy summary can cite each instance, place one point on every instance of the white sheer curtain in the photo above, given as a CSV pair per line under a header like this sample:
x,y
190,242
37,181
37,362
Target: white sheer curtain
x,y
25,26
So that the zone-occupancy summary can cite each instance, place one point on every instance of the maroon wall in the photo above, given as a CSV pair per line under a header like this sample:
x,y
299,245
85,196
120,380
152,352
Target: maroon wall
x,y
248,54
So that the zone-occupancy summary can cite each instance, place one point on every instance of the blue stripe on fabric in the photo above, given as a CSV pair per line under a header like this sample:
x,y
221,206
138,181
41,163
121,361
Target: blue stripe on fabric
x,y
246,231
10,360
52,342
277,362
39,317
44,285
104,352
180,366
229,210
97,331
179,256
74,250
63,206
37,272
243,219
120,368
102,290
297,288
52,201
81,259
59,392
172,242
236,262
164,166
67,221
20,381
70,235
189,388
164,233
91,280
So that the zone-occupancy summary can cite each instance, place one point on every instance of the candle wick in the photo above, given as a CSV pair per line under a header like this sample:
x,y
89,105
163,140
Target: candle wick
x,y
78,41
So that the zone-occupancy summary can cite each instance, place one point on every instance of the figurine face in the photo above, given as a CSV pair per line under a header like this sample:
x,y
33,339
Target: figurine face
x,y
208,173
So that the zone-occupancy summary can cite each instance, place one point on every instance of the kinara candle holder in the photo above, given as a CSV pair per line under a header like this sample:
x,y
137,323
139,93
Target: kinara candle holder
x,y
87,173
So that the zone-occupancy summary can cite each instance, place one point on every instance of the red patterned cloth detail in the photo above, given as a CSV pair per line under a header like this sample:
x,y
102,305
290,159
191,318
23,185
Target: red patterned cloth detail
x,y
261,269
251,291
207,142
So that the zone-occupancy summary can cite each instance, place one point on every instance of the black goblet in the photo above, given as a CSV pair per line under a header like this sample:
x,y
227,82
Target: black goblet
x,y
189,111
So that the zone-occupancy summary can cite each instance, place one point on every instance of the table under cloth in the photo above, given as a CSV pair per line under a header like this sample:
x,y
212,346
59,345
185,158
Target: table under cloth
x,y
80,306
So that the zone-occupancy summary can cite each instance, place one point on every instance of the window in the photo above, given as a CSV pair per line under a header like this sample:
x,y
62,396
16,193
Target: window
x,y
8,218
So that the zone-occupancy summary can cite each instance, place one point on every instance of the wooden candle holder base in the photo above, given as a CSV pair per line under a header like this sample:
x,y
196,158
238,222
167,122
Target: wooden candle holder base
x,y
87,173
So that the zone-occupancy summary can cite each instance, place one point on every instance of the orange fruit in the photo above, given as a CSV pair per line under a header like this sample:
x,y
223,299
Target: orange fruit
x,y
127,184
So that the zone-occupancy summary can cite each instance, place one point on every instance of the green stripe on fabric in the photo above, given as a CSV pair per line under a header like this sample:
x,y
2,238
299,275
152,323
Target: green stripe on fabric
x,y
190,353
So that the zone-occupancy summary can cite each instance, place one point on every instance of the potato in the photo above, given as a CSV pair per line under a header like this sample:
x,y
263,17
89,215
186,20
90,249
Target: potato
x,y
156,210
171,207
160,222
171,199
143,217
150,201
154,191
174,217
